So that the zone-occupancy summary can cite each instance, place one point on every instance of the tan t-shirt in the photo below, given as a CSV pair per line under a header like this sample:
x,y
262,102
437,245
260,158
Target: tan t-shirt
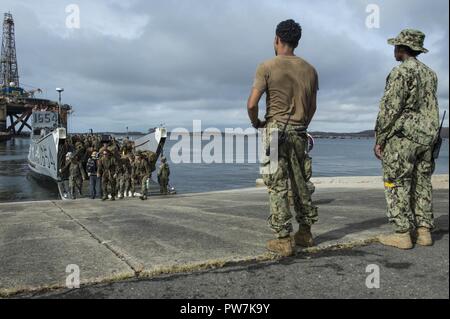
x,y
291,85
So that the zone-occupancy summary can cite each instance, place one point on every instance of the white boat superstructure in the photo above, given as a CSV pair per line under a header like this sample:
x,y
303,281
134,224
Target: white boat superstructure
x,y
46,138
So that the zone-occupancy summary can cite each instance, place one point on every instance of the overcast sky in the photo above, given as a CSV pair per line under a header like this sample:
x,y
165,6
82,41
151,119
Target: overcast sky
x,y
141,63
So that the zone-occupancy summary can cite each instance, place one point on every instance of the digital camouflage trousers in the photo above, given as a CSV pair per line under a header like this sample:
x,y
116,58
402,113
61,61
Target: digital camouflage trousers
x,y
108,185
407,170
163,184
125,184
294,167
140,180
75,184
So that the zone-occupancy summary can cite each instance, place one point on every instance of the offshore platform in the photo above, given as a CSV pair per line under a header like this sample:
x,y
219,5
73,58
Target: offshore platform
x,y
17,104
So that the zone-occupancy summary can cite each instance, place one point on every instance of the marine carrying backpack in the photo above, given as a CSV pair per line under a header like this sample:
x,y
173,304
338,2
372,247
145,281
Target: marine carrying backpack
x,y
151,159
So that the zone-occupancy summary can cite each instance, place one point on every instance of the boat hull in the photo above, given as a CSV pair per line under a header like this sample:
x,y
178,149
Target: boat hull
x,y
43,155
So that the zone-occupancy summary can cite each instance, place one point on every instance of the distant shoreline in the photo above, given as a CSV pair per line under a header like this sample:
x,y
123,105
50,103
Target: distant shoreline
x,y
369,134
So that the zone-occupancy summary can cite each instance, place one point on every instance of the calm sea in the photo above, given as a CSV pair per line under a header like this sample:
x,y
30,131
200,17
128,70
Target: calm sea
x,y
332,157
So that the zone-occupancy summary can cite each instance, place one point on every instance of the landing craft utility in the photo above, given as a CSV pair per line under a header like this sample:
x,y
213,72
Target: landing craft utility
x,y
50,142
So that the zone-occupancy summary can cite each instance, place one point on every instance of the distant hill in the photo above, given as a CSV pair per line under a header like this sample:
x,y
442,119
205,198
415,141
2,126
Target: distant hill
x,y
363,134
333,135
115,133
123,133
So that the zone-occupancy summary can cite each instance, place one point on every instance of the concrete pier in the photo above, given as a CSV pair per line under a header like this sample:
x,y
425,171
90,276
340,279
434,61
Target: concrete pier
x,y
111,241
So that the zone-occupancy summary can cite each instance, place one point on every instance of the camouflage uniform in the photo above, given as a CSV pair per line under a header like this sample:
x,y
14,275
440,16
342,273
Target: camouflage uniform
x,y
108,169
80,151
114,150
140,173
292,155
134,177
307,167
96,144
151,159
127,147
76,176
125,176
102,149
406,130
163,177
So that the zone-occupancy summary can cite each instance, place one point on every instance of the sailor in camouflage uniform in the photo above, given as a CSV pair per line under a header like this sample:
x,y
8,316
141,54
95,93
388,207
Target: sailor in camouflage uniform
x,y
141,173
406,131
76,174
125,169
291,86
108,169
163,176
114,149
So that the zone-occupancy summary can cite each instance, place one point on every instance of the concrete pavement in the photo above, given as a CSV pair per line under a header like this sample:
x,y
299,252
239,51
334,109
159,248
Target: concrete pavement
x,y
112,241
421,273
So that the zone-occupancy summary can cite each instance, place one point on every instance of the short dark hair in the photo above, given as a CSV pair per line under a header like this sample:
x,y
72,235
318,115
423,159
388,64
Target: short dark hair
x,y
409,51
289,32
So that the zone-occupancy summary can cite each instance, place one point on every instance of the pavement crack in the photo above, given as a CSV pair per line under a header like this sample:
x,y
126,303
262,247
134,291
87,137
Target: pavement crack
x,y
137,269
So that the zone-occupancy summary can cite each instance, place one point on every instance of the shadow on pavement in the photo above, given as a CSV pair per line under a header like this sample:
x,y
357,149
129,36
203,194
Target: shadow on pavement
x,y
350,229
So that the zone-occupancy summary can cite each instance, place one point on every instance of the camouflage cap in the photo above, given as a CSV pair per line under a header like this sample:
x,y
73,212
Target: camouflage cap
x,y
411,38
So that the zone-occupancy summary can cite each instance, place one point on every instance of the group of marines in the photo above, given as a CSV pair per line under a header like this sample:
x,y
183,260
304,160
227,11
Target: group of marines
x,y
113,168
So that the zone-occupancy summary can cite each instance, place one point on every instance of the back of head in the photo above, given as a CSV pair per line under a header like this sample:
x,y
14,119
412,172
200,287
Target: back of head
x,y
408,50
289,32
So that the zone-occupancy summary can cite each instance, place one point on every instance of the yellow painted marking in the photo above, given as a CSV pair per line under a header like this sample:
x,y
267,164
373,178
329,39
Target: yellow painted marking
x,y
389,185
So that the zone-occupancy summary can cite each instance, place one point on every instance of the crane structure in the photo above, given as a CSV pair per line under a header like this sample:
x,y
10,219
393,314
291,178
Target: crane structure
x,y
16,104
9,70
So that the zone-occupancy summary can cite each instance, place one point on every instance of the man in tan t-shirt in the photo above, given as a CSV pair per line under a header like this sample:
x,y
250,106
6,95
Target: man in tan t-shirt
x,y
290,84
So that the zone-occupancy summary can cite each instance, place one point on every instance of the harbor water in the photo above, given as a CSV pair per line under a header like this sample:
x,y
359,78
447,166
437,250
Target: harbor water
x,y
331,157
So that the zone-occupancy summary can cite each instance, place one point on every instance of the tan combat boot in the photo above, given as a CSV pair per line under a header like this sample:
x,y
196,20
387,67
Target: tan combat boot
x,y
397,240
424,237
283,247
303,237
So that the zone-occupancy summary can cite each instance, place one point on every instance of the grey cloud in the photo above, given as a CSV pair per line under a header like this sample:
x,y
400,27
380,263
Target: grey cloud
x,y
196,59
